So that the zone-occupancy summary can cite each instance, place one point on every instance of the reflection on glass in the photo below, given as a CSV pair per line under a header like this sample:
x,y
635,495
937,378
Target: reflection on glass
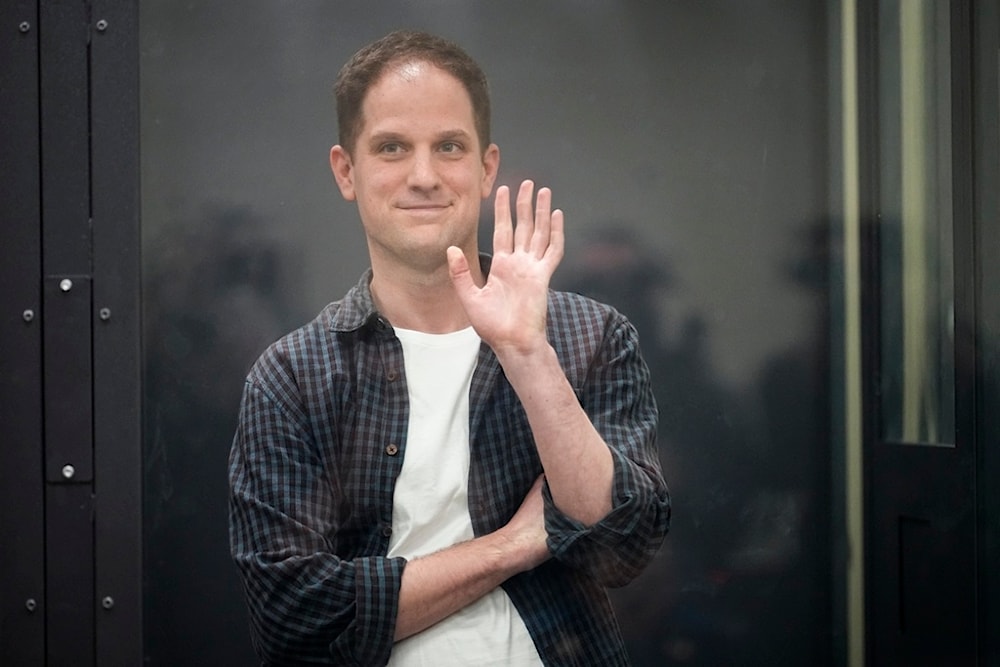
x,y
689,144
917,370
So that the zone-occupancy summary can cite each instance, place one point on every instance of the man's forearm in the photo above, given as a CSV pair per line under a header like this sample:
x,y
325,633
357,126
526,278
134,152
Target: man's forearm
x,y
577,462
434,587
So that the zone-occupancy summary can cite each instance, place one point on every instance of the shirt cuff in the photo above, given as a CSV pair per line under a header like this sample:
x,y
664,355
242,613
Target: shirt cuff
x,y
368,639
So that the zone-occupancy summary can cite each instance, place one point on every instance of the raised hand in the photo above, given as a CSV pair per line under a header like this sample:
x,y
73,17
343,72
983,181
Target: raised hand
x,y
509,311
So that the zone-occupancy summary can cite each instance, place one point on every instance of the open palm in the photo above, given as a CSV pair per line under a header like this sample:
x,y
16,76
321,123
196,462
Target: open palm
x,y
509,311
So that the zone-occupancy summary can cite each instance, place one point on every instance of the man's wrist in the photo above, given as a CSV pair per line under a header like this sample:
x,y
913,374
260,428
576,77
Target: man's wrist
x,y
517,361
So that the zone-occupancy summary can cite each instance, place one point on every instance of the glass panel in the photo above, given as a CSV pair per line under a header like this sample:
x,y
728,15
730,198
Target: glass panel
x,y
687,143
918,368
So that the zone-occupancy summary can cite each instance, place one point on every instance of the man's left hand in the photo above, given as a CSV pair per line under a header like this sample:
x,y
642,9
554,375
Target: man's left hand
x,y
509,311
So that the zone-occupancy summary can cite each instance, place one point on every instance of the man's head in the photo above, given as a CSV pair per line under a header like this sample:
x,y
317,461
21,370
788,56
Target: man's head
x,y
411,152
369,64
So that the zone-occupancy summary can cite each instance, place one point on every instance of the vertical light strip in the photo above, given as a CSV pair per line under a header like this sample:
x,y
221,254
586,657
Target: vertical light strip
x,y
854,491
915,183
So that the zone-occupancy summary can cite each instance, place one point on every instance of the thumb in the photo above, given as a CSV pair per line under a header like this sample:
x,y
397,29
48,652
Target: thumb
x,y
458,268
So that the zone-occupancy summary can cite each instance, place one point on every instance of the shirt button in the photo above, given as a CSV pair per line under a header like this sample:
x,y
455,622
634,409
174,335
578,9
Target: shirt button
x,y
391,449
386,530
391,376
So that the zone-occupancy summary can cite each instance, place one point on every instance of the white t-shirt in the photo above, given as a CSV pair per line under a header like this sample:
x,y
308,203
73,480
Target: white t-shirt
x,y
430,509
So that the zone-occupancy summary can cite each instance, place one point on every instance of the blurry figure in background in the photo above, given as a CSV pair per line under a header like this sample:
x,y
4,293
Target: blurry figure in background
x,y
218,293
614,267
785,529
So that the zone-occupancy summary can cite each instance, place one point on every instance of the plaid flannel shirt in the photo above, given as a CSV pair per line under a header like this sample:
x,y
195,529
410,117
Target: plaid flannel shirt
x,y
321,439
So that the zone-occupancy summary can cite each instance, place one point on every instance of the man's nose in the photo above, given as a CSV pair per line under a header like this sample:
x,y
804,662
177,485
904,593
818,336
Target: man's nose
x,y
423,171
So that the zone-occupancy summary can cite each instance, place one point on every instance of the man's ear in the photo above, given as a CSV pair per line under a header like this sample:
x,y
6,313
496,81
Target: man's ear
x,y
491,165
343,171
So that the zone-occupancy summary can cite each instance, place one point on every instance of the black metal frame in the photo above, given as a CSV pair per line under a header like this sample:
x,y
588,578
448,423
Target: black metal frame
x,y
114,127
914,490
22,504
986,83
70,464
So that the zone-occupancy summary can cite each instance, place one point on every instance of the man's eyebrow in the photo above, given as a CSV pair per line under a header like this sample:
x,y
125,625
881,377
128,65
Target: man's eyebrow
x,y
391,135
383,137
454,134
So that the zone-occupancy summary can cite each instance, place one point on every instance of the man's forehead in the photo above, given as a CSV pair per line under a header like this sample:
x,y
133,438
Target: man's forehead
x,y
410,69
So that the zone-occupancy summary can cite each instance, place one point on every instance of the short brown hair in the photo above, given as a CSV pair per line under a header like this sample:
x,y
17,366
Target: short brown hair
x,y
366,67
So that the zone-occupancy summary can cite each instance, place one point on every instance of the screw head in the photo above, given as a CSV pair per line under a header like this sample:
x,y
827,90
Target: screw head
x,y
105,314
102,25
68,471
30,604
24,26
107,602
28,315
65,284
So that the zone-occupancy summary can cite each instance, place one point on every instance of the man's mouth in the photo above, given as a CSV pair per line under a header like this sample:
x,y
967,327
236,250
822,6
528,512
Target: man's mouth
x,y
423,206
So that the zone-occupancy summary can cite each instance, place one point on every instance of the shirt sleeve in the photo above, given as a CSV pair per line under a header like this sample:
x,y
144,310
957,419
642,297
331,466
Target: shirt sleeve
x,y
307,604
618,397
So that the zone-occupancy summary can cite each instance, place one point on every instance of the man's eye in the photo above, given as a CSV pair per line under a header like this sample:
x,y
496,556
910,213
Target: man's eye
x,y
451,147
390,148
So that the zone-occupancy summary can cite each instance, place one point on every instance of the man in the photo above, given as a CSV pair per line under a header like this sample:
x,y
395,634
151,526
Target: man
x,y
451,463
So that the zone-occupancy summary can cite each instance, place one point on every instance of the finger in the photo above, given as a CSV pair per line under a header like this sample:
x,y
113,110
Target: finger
x,y
503,226
461,276
540,238
557,239
525,222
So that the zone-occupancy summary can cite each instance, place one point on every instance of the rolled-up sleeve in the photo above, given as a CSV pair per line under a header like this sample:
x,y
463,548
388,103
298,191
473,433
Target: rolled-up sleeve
x,y
308,604
617,394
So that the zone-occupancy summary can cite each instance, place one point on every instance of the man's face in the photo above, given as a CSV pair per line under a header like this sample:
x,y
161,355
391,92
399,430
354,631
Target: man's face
x,y
416,170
